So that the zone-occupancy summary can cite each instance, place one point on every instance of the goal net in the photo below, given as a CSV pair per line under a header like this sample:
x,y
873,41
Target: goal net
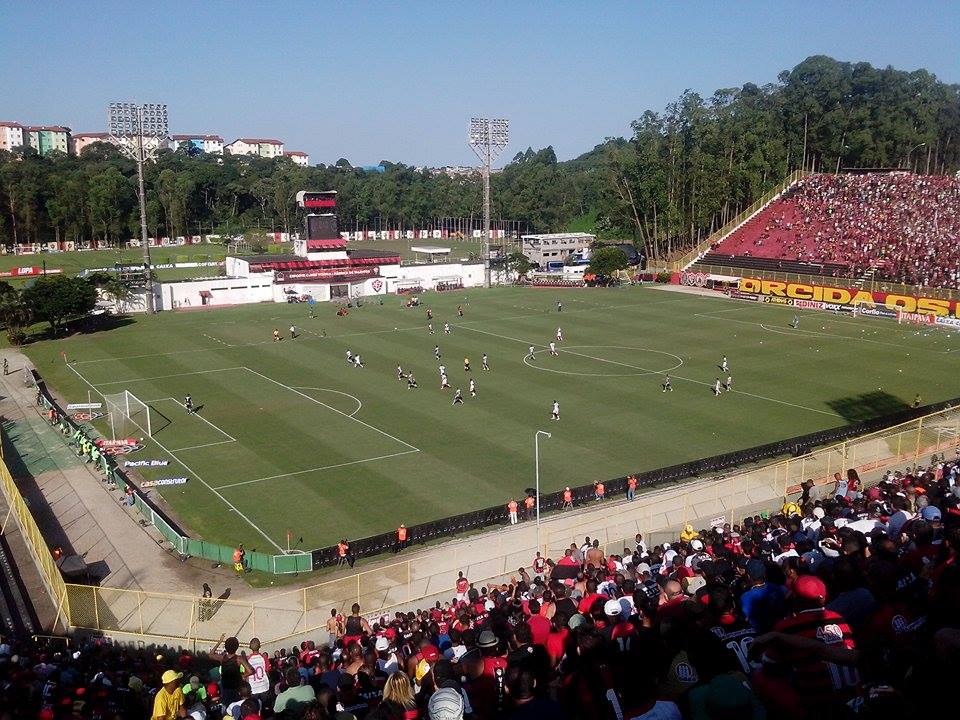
x,y
129,415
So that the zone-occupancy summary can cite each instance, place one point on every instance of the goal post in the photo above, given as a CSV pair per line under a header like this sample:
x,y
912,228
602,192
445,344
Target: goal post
x,y
127,411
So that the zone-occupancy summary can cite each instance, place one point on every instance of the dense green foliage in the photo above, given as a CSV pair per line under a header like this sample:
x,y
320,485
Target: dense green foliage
x,y
682,172
58,298
607,260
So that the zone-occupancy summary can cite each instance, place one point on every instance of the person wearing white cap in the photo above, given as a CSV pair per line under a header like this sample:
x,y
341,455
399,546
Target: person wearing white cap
x,y
445,704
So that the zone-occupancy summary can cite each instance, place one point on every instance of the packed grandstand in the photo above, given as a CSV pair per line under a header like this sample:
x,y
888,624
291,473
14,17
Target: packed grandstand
x,y
841,603
893,226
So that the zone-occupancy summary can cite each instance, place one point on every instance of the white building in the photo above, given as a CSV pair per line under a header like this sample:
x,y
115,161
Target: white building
x,y
551,247
299,157
255,146
210,144
11,135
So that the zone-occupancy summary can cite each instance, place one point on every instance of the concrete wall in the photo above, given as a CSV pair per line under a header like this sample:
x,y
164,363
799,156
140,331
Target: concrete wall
x,y
471,274
224,291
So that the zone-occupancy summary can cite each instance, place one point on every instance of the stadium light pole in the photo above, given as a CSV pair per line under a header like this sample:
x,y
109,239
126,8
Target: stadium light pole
x,y
138,131
488,137
536,454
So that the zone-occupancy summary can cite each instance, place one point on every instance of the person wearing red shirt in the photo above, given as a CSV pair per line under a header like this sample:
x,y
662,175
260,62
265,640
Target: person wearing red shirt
x,y
529,503
539,625
631,487
462,586
821,685
539,565
567,499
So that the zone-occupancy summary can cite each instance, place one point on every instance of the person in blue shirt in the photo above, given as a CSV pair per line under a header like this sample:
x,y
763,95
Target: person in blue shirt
x,y
764,603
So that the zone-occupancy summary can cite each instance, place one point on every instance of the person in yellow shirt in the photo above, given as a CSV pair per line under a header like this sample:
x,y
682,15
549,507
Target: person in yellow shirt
x,y
688,533
168,703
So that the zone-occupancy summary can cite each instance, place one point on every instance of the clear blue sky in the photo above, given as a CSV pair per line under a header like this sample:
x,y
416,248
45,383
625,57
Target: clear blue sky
x,y
399,81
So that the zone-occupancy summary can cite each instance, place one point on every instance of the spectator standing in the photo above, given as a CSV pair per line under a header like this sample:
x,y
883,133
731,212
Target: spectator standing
x,y
169,702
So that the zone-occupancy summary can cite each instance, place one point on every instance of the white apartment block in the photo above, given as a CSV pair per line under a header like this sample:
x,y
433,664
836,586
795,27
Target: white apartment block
x,y
299,157
211,144
11,135
255,146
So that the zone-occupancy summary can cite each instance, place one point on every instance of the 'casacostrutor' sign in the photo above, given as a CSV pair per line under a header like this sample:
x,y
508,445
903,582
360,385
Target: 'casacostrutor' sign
x,y
847,296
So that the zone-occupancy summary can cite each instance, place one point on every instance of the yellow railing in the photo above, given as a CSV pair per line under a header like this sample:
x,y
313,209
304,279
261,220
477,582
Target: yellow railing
x,y
490,557
750,492
47,566
689,257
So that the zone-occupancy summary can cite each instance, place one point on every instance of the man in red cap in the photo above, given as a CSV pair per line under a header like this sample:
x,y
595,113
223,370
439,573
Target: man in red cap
x,y
821,685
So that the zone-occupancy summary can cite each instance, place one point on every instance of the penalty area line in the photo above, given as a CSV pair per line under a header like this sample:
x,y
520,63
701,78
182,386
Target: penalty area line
x,y
318,469
192,472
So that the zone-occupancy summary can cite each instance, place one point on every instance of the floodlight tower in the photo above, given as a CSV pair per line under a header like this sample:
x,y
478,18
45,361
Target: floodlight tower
x,y
488,137
139,131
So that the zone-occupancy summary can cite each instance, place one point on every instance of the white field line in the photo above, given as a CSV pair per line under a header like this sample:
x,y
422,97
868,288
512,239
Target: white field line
x,y
205,445
216,339
159,377
329,407
804,333
318,469
661,372
420,327
192,472
352,397
230,438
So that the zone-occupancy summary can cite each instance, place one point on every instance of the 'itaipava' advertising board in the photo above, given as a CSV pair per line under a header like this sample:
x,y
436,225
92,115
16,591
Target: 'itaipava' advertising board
x,y
834,298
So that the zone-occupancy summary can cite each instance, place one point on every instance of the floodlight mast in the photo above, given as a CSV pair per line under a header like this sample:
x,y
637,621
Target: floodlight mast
x,y
488,137
139,131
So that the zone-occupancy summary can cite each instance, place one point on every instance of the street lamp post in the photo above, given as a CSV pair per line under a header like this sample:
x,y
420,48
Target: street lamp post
x,y
536,455
139,131
915,147
488,137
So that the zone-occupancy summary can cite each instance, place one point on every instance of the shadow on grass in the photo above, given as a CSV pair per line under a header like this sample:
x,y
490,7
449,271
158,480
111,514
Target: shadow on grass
x,y
867,406
84,326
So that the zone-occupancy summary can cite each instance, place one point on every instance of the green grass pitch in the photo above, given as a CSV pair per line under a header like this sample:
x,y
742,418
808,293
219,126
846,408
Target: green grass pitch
x,y
290,438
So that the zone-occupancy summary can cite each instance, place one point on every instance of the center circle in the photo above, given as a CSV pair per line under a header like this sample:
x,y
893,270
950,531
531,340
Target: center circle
x,y
638,368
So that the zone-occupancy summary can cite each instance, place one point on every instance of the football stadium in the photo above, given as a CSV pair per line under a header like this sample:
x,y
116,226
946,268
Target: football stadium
x,y
667,429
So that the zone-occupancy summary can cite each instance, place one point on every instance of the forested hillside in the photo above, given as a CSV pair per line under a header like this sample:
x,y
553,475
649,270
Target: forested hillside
x,y
682,172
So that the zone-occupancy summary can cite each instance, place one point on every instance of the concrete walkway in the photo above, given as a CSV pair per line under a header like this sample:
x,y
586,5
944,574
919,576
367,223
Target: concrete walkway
x,y
80,512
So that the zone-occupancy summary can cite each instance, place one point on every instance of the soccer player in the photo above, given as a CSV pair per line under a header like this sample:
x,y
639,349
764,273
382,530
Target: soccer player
x,y
530,351
446,328
357,362
443,382
399,372
458,397
559,306
430,328
796,322
442,369
460,310
559,334
555,411
349,357
667,387
553,349
723,364
436,351
716,387
188,404
728,385
429,314
466,364
411,382
293,332
473,388
276,335
485,365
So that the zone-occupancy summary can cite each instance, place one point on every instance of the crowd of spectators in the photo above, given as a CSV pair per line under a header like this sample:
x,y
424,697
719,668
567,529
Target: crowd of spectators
x,y
904,227
844,606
